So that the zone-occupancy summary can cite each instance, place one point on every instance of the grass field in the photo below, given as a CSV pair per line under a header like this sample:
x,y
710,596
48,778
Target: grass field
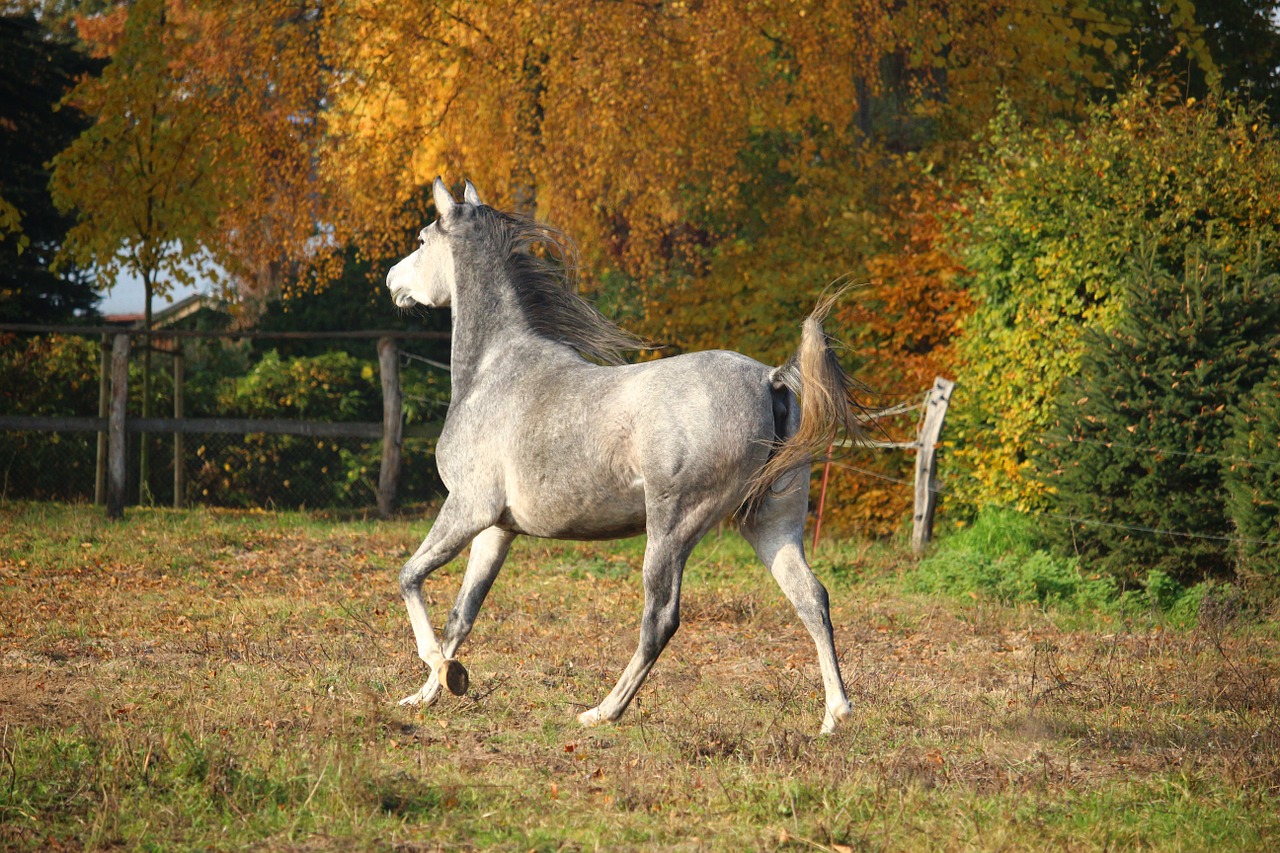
x,y
208,680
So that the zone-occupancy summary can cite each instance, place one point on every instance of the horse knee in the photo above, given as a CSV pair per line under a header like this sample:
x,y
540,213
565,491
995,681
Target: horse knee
x,y
411,578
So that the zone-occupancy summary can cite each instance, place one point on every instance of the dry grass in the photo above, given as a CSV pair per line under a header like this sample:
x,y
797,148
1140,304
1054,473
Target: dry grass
x,y
215,681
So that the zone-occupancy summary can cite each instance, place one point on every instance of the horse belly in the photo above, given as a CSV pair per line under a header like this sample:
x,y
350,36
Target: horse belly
x,y
575,505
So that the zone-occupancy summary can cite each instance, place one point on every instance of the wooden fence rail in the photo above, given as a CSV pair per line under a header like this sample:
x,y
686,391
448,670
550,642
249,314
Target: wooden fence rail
x,y
933,409
113,423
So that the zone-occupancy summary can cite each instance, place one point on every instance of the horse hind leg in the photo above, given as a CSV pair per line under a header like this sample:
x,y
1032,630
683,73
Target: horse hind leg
x,y
664,559
776,532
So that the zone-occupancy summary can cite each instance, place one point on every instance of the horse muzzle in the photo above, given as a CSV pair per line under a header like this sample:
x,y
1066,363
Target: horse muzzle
x,y
403,299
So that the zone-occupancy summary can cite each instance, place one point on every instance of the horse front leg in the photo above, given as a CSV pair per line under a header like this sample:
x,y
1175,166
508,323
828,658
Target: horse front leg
x,y
488,551
448,536
663,568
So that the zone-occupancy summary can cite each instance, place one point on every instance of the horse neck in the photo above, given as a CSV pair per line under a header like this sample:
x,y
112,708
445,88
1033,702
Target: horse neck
x,y
487,321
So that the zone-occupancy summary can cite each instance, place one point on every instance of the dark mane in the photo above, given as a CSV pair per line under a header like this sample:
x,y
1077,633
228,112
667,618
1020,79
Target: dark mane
x,y
546,289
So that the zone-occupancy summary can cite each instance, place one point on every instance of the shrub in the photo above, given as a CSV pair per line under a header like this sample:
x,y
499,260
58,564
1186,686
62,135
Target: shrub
x,y
999,556
1057,217
291,470
53,375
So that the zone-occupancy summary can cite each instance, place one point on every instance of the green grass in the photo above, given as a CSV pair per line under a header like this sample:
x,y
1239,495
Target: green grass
x,y
214,681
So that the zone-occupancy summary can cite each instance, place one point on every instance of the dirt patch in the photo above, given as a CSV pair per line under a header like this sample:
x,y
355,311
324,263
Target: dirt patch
x,y
37,691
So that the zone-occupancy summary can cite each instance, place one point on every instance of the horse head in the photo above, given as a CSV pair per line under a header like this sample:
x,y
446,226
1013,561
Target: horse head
x,y
427,276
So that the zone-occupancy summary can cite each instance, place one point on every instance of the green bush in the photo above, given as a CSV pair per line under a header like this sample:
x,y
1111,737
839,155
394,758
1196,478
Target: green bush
x,y
1135,455
48,376
1251,473
291,470
1000,556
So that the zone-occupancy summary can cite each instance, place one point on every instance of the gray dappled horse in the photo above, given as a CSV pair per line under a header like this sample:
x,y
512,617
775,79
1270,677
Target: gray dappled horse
x,y
541,439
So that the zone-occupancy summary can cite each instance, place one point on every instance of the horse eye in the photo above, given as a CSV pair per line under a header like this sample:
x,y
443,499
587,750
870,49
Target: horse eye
x,y
422,237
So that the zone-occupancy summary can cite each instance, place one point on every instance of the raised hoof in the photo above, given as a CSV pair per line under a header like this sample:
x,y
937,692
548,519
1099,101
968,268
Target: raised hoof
x,y
454,676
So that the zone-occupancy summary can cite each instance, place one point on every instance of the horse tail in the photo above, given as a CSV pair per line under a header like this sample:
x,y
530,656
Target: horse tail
x,y
828,403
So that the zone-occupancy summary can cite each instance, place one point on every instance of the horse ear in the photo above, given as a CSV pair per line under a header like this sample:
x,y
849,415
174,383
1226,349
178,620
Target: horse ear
x,y
470,196
444,201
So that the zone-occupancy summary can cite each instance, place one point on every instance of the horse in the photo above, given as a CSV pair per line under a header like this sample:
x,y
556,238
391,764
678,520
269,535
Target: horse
x,y
550,433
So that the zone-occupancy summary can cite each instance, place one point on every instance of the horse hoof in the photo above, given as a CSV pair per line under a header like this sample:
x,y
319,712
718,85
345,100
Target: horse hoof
x,y
455,677
591,718
834,717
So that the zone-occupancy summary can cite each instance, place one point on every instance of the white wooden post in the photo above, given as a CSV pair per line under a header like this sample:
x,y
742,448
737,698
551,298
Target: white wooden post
x,y
926,464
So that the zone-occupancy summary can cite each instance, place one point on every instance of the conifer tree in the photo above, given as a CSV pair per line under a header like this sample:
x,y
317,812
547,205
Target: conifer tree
x,y
1135,461
1252,477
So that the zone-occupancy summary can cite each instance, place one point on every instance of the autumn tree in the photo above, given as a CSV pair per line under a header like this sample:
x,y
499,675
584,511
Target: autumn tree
x,y
140,179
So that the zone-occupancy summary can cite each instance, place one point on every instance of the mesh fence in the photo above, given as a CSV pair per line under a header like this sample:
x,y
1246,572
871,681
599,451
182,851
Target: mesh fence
x,y
265,471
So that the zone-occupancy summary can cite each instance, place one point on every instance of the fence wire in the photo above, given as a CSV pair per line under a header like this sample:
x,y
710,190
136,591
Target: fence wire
x,y
221,470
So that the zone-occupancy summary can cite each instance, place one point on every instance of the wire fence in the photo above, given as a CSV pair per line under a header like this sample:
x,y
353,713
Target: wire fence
x,y
960,495
296,471
221,470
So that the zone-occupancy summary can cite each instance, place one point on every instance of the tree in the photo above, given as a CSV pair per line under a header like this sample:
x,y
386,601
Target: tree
x,y
36,70
1135,459
1243,38
1251,473
141,177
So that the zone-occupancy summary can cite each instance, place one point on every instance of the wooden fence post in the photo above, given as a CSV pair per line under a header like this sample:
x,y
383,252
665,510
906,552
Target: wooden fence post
x,y
104,407
926,464
392,426
116,436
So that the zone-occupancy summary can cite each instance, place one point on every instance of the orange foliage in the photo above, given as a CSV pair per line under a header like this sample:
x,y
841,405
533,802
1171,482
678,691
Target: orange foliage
x,y
908,319
621,122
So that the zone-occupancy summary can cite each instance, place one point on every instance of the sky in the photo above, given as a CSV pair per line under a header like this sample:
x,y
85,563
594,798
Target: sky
x,y
128,297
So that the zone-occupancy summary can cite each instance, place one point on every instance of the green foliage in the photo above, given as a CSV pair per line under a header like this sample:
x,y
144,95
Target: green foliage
x,y
318,471
47,376
1002,556
334,386
1251,473
999,556
1058,215
1135,456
